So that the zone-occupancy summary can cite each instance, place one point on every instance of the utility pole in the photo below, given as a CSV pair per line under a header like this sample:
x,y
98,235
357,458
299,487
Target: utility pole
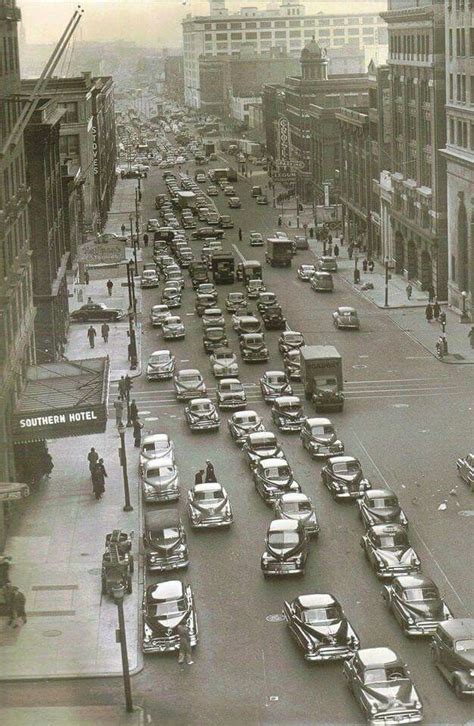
x,y
123,461
118,593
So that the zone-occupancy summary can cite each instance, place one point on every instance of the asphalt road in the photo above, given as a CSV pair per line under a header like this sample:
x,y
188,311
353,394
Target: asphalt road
x,y
407,417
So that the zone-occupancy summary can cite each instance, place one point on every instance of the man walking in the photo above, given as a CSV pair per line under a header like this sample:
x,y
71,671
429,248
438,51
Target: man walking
x,y
199,477
86,277
436,310
240,234
210,472
145,239
122,388
105,328
98,479
91,333
409,291
429,313
92,458
123,228
118,405
185,650
15,602
133,411
137,432
431,293
350,250
110,286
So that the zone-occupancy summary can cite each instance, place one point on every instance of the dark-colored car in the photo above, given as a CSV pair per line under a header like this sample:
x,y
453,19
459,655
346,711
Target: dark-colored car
x,y
261,445
290,340
212,317
273,477
201,415
320,627
344,478
214,337
253,347
292,363
381,506
274,384
165,606
319,437
96,313
209,506
273,318
189,383
382,686
465,467
346,318
288,413
243,423
204,232
235,301
416,604
244,322
322,282
230,394
254,287
203,302
298,506
452,652
286,548
388,550
265,300
165,541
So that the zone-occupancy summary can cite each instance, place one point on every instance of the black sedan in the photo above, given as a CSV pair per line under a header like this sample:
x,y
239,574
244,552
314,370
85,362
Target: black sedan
x,y
96,313
319,626
381,506
201,415
416,604
274,384
261,445
243,423
273,477
165,606
288,413
273,318
344,478
388,550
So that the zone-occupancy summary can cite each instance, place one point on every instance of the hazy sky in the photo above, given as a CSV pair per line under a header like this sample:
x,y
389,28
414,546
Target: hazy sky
x,y
147,22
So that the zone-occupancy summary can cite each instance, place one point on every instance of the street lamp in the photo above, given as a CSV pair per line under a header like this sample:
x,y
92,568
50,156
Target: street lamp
x,y
118,593
387,277
464,316
123,461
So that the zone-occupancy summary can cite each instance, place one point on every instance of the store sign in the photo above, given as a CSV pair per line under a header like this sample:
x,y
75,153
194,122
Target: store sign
x,y
283,139
286,176
97,253
95,150
72,421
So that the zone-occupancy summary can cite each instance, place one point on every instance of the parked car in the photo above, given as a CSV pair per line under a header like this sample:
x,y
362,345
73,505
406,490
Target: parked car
x,y
201,415
452,652
189,383
286,549
149,278
381,506
465,467
319,437
155,446
288,413
298,507
389,552
272,478
243,423
160,480
344,478
165,606
319,626
96,313
209,506
274,384
173,328
416,604
164,541
346,318
161,365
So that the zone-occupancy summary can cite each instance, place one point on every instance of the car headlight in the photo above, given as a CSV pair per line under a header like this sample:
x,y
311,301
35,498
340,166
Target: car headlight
x,y
147,632
373,708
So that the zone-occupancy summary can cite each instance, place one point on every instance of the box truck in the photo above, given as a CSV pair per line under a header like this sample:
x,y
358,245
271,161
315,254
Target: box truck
x,y
321,375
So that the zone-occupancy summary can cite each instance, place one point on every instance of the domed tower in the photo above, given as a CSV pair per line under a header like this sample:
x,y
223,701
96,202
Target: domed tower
x,y
314,62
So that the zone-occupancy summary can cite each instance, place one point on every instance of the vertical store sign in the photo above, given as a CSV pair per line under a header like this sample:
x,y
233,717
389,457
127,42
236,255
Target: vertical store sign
x,y
95,147
283,139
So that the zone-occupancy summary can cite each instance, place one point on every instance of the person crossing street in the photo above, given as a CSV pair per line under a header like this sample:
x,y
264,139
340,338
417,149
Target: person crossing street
x,y
104,330
91,334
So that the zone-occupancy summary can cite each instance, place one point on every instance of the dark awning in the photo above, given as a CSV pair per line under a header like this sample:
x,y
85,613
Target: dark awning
x,y
63,399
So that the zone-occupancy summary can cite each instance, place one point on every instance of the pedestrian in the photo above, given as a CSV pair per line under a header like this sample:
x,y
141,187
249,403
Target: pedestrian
x,y
311,232
429,313
336,250
128,384
130,351
330,238
470,335
133,411
118,405
436,310
341,240
240,234
279,221
104,330
91,333
350,250
145,239
185,650
442,318
98,479
137,432
199,477
16,605
431,293
122,388
210,472
89,300
86,277
92,458
409,291
371,265
364,265
110,286
123,228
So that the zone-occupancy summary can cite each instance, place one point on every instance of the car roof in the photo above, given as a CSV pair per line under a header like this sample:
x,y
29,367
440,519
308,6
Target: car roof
x,y
346,309
323,273
341,459
290,333
160,519
222,350
201,399
188,371
229,380
458,628
157,308
284,525
284,400
209,311
160,352
244,414
207,486
272,461
158,463
407,581
382,492
316,421
169,590
389,528
274,373
247,317
152,438
316,600
294,497
370,657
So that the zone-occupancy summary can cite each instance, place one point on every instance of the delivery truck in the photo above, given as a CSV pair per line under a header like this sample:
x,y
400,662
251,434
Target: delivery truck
x,y
223,268
279,252
186,200
321,375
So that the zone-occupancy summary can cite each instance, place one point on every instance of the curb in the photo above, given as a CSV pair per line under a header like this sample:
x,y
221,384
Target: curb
x,y
116,374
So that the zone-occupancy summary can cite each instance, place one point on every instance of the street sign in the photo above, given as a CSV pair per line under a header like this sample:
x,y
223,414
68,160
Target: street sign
x,y
284,177
10,491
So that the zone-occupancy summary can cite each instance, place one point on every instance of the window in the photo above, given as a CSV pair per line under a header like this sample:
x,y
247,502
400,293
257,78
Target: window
x,y
471,41
295,23
451,87
338,31
221,26
452,132
235,26
280,34
69,145
463,88
450,35
280,23
250,25
266,34
208,36
71,116
471,99
221,36
295,33
453,268
250,36
472,136
323,33
236,36
265,24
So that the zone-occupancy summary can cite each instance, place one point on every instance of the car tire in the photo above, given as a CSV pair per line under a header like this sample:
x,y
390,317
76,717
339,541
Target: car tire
x,y
457,687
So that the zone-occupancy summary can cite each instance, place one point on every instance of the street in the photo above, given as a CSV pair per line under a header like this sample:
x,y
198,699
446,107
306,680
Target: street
x,y
406,418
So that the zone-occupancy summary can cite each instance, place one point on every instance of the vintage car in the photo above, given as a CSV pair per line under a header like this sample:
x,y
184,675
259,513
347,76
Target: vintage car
x,y
243,423
322,282
158,314
164,540
416,604
234,202
344,478
188,383
253,347
201,415
254,287
224,363
326,263
209,506
346,318
256,239
290,340
207,288
171,297
160,365
203,302
261,445
226,221
320,627
174,274
204,232
298,506
155,446
452,652
265,300
212,191
273,318
272,478
465,467
214,337
286,548
388,550
149,278
262,199
165,606
274,384
96,313
292,364
160,480
305,272
244,322
288,413
212,317
173,328
235,301
381,506
319,437
230,394
382,686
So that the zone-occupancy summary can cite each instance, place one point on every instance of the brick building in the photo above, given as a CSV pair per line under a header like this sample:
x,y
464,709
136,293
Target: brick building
x,y
174,78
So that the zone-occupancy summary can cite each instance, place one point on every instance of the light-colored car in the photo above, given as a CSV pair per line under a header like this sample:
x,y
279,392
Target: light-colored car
x,y
149,278
305,272
156,446
158,314
212,317
231,394
346,318
209,506
201,415
188,384
224,363
160,480
298,506
256,239
173,328
160,365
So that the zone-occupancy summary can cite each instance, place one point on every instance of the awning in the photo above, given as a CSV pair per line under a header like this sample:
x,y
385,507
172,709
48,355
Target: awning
x,y
63,399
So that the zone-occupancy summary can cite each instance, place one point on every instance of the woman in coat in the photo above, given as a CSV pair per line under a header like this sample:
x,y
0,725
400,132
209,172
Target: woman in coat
x,y
98,479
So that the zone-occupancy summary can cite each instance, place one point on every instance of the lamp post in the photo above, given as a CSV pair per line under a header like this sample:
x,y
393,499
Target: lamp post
x,y
130,219
356,269
464,316
387,277
137,232
123,461
118,593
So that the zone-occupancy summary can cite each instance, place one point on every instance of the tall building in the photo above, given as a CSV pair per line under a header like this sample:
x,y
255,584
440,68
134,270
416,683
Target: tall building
x,y
286,27
417,168
17,313
459,152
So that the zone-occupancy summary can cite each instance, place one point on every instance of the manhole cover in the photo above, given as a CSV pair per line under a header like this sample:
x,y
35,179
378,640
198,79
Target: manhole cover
x,y
52,633
94,571
276,618
458,356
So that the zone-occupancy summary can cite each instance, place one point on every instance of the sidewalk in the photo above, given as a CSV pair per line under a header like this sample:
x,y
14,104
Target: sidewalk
x,y
72,716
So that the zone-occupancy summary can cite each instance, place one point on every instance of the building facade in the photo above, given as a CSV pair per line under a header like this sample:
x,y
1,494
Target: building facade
x,y
17,312
459,153
380,139
416,60
174,78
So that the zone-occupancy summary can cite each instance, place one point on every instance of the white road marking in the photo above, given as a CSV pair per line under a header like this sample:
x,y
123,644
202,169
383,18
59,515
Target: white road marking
x,y
143,413
152,418
243,259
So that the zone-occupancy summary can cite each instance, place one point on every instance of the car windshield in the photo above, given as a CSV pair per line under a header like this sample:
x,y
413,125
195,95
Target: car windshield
x,y
201,406
295,507
277,472
420,594
383,502
156,446
235,386
250,419
189,378
293,338
307,268
264,442
160,358
168,534
235,297
322,615
214,333
290,407
162,472
149,273
202,496
391,541
173,321
282,540
464,646
381,675
170,608
346,467
224,357
277,378
321,430
160,309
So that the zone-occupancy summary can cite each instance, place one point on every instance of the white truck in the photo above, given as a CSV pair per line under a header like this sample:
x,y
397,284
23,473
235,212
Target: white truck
x,y
186,200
